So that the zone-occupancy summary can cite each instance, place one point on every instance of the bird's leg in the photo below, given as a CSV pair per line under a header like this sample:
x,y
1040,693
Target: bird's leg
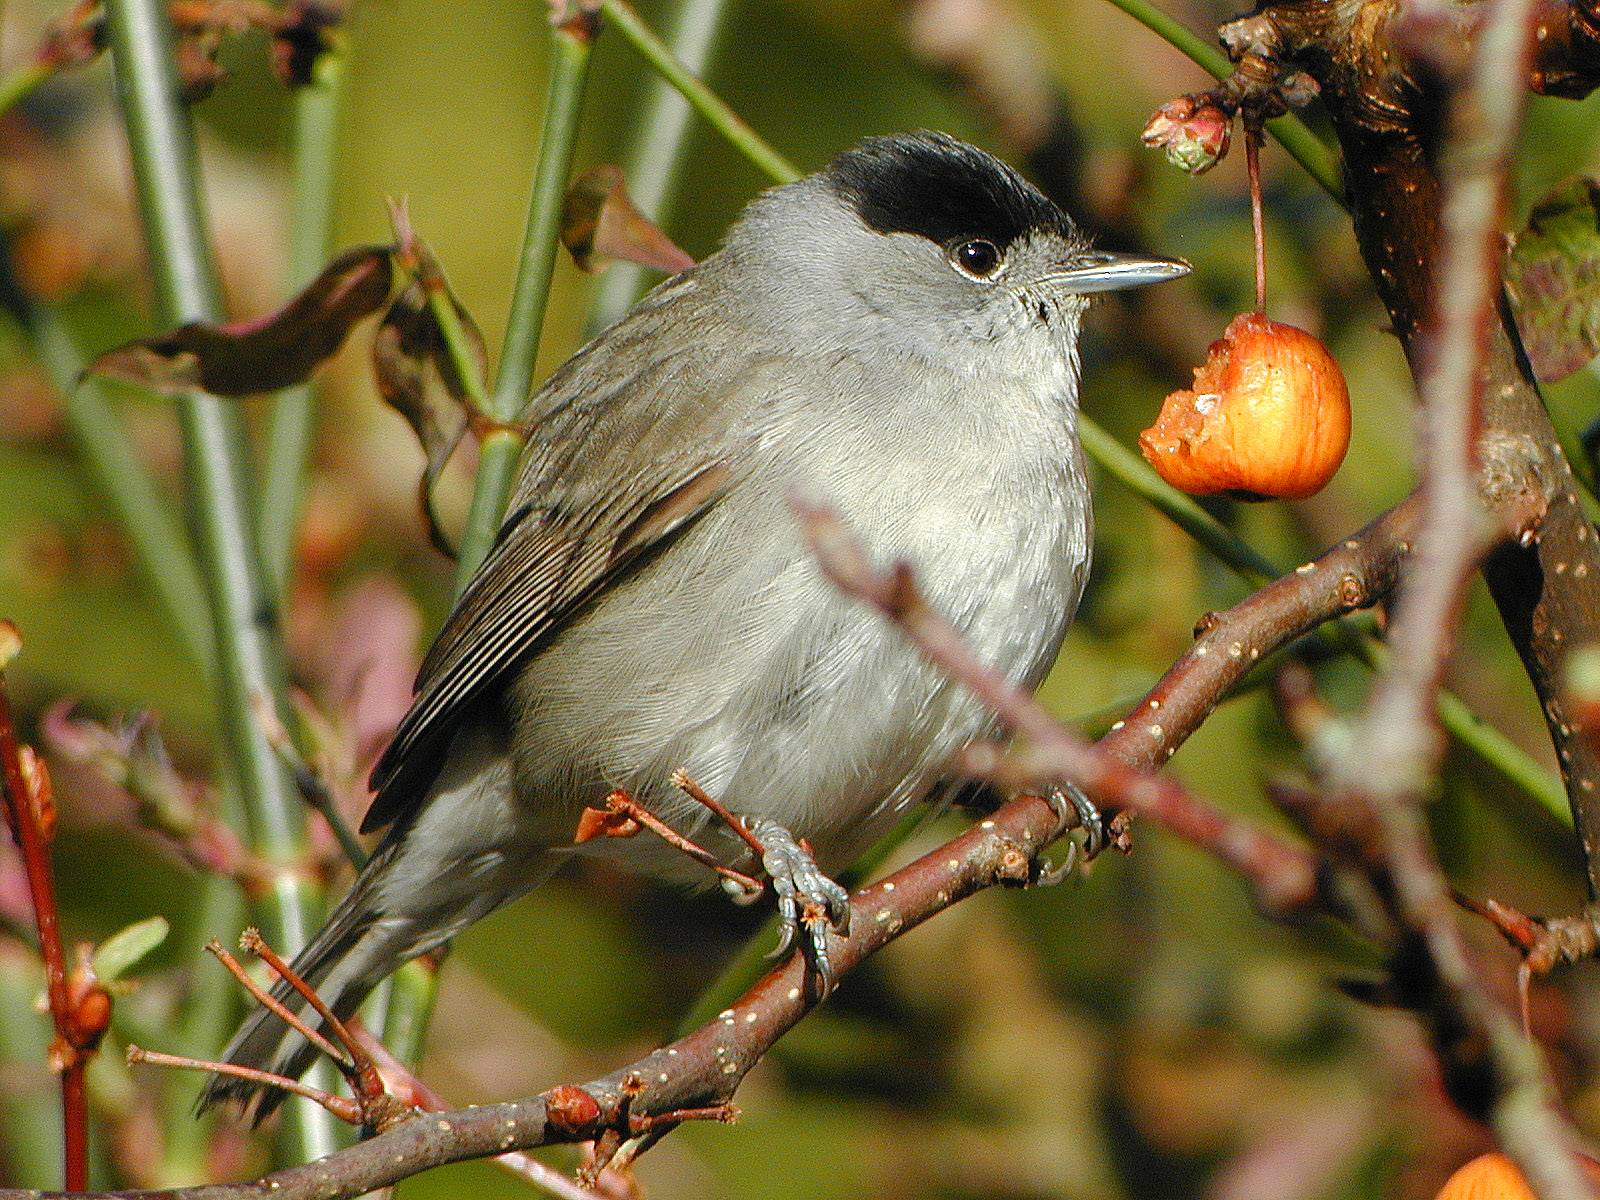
x,y
809,902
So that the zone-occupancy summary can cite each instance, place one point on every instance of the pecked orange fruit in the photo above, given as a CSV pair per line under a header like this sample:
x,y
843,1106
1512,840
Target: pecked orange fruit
x,y
1494,1176
1268,416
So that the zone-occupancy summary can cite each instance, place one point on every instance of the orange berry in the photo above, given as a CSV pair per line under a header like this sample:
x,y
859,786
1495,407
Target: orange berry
x,y
1268,416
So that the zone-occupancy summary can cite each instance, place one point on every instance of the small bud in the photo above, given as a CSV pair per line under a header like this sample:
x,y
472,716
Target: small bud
x,y
571,1109
41,795
88,1014
1195,135
1298,89
1268,416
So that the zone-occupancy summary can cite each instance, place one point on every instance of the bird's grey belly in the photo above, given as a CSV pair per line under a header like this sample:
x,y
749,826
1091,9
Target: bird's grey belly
x,y
729,656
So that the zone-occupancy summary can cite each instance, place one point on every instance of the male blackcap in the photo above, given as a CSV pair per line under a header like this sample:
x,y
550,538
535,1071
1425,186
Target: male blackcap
x,y
898,335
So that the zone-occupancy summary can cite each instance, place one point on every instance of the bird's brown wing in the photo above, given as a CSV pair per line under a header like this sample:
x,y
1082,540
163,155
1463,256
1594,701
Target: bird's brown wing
x,y
627,446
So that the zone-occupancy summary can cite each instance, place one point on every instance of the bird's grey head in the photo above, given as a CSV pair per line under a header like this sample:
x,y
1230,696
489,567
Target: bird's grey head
x,y
924,244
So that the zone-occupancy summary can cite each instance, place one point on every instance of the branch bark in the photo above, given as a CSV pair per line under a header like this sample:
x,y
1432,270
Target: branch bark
x,y
1385,100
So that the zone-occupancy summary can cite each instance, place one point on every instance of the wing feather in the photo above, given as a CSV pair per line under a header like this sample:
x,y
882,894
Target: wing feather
x,y
624,451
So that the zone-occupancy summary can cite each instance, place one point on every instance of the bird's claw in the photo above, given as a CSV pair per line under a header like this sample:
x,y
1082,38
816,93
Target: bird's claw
x,y
809,903
1069,803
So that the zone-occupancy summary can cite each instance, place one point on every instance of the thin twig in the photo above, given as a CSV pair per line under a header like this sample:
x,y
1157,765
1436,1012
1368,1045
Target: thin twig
x,y
363,1074
619,803
680,779
704,101
277,1007
342,1107
1258,224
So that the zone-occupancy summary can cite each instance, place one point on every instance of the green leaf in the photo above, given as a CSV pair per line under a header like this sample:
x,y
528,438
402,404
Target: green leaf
x,y
1552,276
118,954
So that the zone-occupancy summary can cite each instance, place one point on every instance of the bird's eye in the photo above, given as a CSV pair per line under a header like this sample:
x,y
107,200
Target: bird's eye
x,y
977,257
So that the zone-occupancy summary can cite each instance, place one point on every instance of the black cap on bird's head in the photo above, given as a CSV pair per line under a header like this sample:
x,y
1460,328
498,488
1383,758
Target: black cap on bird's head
x,y
935,186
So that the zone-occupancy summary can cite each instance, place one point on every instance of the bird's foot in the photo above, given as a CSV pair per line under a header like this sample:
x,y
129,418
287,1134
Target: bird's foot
x,y
1073,808
809,903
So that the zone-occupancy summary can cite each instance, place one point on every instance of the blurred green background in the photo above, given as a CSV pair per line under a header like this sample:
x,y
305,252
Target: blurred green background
x,y
1138,1032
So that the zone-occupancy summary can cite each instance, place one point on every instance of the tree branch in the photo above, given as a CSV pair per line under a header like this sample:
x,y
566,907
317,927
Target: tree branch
x,y
1383,94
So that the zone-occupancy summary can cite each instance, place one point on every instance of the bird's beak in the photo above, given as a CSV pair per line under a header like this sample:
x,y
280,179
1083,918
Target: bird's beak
x,y
1106,271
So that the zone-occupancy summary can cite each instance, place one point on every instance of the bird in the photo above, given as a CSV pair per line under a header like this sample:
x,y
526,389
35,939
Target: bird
x,y
897,334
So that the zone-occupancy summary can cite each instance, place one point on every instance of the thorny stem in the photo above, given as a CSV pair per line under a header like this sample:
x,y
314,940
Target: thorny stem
x,y
21,814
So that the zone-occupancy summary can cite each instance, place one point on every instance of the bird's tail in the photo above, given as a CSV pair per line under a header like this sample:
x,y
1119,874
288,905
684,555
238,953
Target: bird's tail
x,y
351,955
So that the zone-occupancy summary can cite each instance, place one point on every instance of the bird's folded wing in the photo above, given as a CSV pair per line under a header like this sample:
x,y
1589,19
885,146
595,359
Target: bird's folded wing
x,y
543,567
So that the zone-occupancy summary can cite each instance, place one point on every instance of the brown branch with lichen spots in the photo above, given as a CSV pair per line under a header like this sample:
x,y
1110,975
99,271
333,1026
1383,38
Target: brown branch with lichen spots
x,y
1380,83
1445,304
1355,574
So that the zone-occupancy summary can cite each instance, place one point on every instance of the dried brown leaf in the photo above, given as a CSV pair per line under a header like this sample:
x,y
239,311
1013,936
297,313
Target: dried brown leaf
x,y
264,354
418,378
599,221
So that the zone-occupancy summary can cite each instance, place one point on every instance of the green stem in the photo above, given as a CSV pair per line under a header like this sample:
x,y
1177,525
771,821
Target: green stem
x,y
1303,145
248,643
497,461
656,147
701,98
153,529
293,422
413,986
465,360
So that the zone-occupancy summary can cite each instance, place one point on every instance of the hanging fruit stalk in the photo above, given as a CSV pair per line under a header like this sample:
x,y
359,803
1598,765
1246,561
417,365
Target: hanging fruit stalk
x,y
1268,416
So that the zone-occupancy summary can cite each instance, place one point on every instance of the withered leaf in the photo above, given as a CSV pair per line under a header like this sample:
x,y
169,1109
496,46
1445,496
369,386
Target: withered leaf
x,y
1552,277
599,221
267,353
417,377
